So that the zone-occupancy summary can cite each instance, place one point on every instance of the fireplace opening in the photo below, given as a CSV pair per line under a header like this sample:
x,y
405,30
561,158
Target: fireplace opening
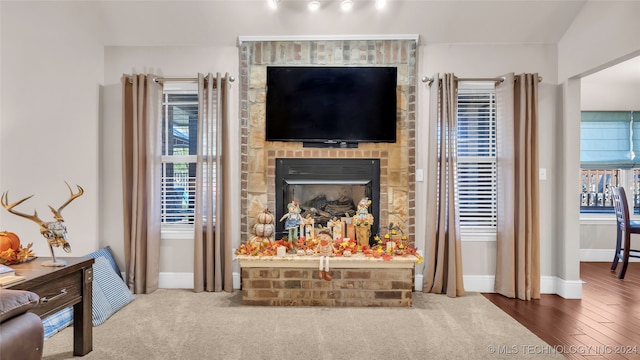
x,y
323,200
327,188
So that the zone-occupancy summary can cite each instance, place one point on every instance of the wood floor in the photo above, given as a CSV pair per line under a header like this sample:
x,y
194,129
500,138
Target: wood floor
x,y
604,324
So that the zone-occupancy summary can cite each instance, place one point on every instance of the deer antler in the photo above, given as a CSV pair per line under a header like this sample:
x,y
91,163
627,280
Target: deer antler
x,y
56,213
5,204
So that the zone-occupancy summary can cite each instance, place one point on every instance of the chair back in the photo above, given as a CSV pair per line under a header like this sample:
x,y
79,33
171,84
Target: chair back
x,y
619,199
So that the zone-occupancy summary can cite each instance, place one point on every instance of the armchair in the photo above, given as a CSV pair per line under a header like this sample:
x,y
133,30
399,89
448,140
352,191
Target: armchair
x,y
21,331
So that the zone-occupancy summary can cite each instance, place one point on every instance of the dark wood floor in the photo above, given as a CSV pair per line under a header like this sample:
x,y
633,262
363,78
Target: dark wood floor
x,y
604,324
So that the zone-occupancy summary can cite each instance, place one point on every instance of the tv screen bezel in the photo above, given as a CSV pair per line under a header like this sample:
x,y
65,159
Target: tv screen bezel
x,y
387,135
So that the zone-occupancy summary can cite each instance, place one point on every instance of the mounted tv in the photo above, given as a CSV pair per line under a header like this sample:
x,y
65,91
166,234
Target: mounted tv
x,y
331,106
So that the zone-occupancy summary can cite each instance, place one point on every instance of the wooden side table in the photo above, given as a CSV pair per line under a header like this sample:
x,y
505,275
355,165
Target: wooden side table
x,y
61,287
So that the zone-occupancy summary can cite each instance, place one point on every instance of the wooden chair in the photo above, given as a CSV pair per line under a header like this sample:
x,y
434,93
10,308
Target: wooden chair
x,y
624,226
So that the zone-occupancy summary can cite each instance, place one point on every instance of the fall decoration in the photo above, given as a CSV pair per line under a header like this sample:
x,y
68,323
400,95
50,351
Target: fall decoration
x,y
363,221
384,250
14,256
264,226
265,217
262,248
258,239
264,230
11,252
9,240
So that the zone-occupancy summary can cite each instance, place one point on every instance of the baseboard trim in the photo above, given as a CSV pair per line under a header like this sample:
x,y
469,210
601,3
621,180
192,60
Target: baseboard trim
x,y
418,282
569,289
548,285
600,255
236,280
175,280
486,283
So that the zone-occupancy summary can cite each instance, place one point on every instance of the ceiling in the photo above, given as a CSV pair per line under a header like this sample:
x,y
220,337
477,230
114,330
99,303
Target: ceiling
x,y
206,22
221,22
627,72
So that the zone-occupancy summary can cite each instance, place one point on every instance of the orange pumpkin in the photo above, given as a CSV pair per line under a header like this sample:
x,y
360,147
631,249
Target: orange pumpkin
x,y
9,240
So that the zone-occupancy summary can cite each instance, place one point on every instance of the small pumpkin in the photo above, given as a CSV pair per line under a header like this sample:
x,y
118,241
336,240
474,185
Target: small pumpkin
x,y
264,230
265,217
255,239
9,240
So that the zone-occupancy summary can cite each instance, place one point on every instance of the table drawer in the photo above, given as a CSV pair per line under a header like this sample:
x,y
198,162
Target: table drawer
x,y
58,294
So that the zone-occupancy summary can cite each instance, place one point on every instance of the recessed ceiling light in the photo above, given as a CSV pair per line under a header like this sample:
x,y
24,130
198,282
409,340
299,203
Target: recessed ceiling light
x,y
346,5
314,5
273,3
380,4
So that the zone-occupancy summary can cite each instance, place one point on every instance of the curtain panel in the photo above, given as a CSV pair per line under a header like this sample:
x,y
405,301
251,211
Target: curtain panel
x,y
518,227
212,255
141,149
443,252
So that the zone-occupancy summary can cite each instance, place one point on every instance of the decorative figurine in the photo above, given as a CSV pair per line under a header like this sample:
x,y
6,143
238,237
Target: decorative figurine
x,y
307,227
363,211
363,221
336,228
293,220
54,231
325,250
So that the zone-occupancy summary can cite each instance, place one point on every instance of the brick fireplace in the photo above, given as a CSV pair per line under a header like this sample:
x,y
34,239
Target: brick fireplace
x,y
396,160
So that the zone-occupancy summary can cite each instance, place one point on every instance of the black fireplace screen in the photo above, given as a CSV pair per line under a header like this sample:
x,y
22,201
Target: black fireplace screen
x,y
327,188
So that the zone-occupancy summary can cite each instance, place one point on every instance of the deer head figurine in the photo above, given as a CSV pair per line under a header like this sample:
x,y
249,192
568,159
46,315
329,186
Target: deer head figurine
x,y
54,231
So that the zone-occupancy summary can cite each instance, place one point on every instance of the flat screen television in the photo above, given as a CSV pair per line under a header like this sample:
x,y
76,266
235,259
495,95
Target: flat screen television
x,y
331,105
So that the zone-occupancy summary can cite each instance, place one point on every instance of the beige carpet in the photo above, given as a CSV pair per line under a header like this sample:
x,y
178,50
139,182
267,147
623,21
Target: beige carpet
x,y
180,324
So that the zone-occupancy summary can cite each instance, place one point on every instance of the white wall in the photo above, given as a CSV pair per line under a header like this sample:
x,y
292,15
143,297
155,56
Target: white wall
x,y
603,33
51,75
603,96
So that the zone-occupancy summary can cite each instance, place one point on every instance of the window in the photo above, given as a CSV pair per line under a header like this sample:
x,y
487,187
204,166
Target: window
x,y
179,150
476,172
595,194
609,142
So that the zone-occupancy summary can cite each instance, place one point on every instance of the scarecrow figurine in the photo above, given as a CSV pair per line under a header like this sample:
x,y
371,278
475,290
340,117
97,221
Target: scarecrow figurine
x,y
363,221
325,250
293,220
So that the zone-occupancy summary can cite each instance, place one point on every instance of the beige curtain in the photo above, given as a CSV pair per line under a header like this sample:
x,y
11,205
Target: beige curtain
x,y
443,253
212,256
518,234
141,180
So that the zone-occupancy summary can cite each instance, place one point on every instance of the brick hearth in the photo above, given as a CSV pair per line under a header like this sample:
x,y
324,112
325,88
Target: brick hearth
x,y
293,281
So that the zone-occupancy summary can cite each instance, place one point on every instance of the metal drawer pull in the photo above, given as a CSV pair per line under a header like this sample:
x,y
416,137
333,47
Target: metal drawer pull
x,y
63,292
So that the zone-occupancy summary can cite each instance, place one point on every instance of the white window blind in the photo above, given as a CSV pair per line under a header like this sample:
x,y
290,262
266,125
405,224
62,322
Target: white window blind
x,y
476,172
179,150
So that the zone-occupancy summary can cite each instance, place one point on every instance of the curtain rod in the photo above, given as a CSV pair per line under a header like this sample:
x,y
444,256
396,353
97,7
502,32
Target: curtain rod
x,y
429,80
161,79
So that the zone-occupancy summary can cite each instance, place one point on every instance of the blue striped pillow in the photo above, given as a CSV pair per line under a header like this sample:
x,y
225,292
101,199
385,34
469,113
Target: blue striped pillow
x,y
110,293
107,254
56,322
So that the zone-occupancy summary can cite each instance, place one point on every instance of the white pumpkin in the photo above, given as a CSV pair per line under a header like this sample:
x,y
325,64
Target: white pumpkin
x,y
264,230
